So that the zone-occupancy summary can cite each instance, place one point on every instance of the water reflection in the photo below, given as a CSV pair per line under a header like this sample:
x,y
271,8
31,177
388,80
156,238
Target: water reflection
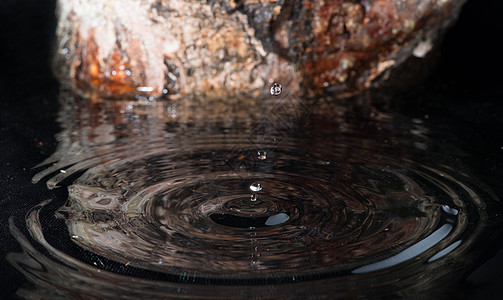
x,y
257,197
408,253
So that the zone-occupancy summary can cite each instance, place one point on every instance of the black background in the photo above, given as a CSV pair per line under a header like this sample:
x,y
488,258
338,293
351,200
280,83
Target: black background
x,y
463,98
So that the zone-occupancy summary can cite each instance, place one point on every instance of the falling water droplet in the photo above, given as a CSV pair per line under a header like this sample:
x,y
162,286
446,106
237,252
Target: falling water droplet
x,y
262,155
255,187
253,197
276,89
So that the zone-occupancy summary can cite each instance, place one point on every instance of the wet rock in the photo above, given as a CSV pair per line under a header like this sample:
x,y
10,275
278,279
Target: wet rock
x,y
233,48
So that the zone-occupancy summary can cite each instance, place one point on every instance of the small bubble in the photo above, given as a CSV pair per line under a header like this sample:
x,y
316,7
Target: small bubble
x,y
255,187
262,155
253,197
276,89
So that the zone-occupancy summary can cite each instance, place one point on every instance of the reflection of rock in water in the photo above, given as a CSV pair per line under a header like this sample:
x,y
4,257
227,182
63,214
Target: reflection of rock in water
x,y
348,199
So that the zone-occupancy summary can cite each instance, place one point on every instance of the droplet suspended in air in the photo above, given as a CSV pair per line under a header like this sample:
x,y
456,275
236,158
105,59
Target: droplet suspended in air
x,y
262,155
255,187
276,89
253,197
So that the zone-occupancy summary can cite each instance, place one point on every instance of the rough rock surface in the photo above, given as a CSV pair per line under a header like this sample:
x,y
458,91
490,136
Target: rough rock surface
x,y
215,48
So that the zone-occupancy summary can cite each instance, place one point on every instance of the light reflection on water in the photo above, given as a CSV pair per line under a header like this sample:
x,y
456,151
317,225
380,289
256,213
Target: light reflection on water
x,y
268,197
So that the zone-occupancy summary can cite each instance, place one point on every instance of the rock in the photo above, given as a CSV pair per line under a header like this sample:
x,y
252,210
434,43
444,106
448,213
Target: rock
x,y
231,48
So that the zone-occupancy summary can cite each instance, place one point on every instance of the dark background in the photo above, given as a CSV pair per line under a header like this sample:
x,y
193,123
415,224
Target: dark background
x,y
463,98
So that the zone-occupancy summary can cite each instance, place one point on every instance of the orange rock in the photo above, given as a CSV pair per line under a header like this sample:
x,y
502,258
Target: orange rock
x,y
154,48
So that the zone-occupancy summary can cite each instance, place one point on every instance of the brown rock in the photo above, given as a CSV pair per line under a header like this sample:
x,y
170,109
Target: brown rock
x,y
123,48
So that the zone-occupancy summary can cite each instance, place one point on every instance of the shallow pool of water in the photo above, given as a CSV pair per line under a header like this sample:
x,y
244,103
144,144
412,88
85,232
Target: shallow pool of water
x,y
256,197
278,197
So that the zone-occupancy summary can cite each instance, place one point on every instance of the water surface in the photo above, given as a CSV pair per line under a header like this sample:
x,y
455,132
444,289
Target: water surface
x,y
254,197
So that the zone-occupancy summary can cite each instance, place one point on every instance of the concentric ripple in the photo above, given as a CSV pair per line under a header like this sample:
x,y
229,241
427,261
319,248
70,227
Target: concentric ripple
x,y
233,198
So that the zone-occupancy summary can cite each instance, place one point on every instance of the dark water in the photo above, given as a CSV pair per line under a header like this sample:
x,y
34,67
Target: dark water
x,y
261,197
277,197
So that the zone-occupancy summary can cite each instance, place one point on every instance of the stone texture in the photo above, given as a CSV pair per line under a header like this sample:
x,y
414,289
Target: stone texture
x,y
219,48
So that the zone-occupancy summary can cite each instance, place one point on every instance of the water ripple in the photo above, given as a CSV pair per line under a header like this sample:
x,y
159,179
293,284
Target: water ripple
x,y
206,200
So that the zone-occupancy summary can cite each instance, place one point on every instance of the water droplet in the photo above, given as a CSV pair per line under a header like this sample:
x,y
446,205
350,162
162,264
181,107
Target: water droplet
x,y
255,187
276,89
253,197
262,155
